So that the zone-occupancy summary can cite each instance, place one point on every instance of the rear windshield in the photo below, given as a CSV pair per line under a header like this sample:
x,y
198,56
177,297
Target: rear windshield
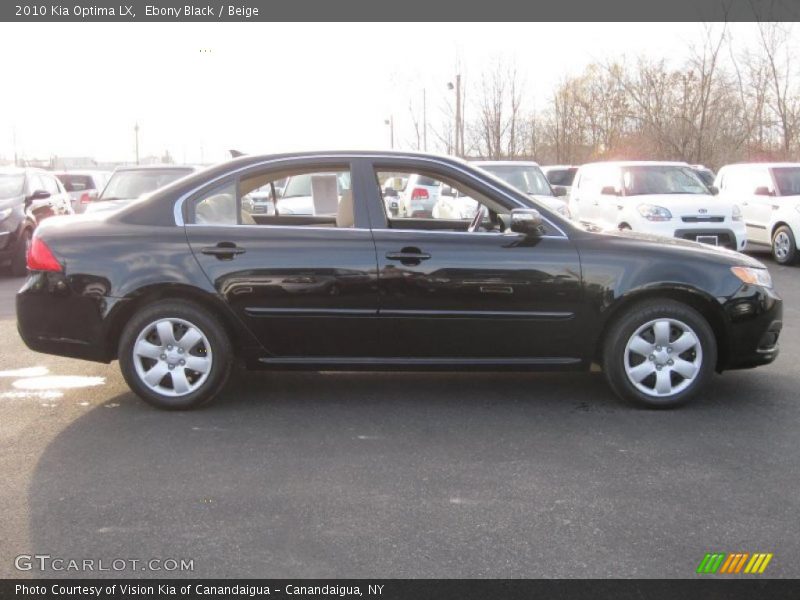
x,y
77,183
787,180
127,185
562,177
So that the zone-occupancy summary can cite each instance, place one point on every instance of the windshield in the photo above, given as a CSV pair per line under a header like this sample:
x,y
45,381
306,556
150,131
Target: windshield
x,y
527,179
127,185
706,176
77,183
11,185
661,179
300,185
788,180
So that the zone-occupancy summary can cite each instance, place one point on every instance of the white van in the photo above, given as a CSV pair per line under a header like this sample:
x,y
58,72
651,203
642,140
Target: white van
x,y
769,194
663,198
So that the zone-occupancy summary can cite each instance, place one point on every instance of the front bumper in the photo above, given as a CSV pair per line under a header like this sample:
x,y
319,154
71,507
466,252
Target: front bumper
x,y
754,321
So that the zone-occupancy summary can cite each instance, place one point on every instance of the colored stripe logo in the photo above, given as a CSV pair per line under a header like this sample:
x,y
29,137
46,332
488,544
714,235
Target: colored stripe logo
x,y
722,563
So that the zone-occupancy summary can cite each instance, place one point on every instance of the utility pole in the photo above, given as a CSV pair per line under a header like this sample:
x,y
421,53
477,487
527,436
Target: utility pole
x,y
459,133
136,136
424,121
390,123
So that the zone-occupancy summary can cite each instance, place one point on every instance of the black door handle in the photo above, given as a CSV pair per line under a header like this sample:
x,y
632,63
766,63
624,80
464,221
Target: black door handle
x,y
407,256
223,250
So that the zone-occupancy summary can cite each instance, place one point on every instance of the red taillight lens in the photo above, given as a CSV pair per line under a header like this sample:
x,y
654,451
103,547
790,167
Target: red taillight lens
x,y
40,258
419,194
85,198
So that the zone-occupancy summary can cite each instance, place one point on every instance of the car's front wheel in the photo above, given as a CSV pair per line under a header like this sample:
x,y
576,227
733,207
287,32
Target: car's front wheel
x,y
784,247
175,355
659,354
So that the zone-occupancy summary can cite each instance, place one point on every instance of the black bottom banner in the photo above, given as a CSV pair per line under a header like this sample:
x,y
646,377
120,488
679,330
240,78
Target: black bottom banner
x,y
395,589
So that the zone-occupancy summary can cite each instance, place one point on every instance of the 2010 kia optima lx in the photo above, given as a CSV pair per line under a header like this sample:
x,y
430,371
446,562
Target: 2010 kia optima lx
x,y
179,285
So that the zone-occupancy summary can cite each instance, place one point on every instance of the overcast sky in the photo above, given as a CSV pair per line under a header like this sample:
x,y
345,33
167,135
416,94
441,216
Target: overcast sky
x,y
76,89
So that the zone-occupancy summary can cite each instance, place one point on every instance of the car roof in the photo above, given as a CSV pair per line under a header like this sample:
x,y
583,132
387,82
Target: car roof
x,y
11,170
504,163
637,163
770,165
157,168
82,172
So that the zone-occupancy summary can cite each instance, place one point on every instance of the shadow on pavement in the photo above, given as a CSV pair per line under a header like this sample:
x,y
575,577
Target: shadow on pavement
x,y
421,475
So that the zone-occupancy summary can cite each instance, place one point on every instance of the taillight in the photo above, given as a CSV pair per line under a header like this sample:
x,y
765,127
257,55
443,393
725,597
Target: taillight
x,y
85,198
40,257
419,194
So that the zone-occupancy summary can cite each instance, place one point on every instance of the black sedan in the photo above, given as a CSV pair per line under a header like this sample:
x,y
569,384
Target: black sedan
x,y
179,285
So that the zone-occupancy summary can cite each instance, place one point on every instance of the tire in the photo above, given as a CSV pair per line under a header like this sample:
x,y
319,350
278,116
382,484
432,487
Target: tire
x,y
784,247
19,261
147,346
635,365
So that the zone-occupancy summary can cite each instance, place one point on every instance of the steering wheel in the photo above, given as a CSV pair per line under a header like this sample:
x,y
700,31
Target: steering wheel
x,y
477,219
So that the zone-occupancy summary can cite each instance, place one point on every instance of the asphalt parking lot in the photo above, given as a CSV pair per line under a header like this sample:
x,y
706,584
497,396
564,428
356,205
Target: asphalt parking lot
x,y
399,475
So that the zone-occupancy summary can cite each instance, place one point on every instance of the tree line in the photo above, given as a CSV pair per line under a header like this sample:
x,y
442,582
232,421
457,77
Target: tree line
x,y
720,105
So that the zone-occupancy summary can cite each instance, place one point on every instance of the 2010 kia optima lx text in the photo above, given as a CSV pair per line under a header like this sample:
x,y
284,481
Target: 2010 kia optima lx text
x,y
180,284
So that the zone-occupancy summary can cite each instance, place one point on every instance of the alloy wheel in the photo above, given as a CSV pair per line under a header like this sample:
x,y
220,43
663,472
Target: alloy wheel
x,y
663,357
172,357
782,245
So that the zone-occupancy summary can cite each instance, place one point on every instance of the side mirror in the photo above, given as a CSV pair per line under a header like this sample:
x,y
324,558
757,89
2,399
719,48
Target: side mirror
x,y
559,191
609,190
713,189
390,192
527,221
762,190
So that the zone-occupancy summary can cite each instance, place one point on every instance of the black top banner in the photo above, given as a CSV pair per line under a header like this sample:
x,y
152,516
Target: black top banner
x,y
398,11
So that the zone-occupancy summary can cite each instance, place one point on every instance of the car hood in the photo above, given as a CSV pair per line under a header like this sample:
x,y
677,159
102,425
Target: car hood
x,y
551,202
685,204
107,205
687,249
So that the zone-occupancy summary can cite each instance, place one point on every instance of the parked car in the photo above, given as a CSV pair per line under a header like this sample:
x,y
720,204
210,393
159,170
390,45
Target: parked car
x,y
769,194
560,175
663,198
528,178
83,186
419,196
129,183
392,187
177,291
313,193
27,196
705,174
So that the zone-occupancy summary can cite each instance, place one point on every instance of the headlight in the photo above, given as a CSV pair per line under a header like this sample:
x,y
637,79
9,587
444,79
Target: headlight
x,y
4,213
563,210
753,276
654,213
737,213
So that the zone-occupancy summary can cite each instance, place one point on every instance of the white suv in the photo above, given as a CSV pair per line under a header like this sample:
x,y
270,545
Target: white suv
x,y
663,198
769,194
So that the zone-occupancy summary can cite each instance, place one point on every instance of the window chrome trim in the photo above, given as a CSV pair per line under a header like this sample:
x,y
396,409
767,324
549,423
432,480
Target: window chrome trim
x,y
178,206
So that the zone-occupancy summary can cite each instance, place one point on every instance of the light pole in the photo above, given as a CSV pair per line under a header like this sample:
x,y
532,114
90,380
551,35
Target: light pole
x,y
424,121
390,123
459,142
136,136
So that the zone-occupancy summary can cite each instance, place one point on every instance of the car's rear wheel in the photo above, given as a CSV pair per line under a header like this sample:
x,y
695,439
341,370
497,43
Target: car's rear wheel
x,y
175,355
19,261
784,247
659,354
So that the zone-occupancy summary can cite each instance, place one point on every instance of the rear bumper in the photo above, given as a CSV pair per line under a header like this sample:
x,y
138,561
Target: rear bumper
x,y
755,320
53,319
